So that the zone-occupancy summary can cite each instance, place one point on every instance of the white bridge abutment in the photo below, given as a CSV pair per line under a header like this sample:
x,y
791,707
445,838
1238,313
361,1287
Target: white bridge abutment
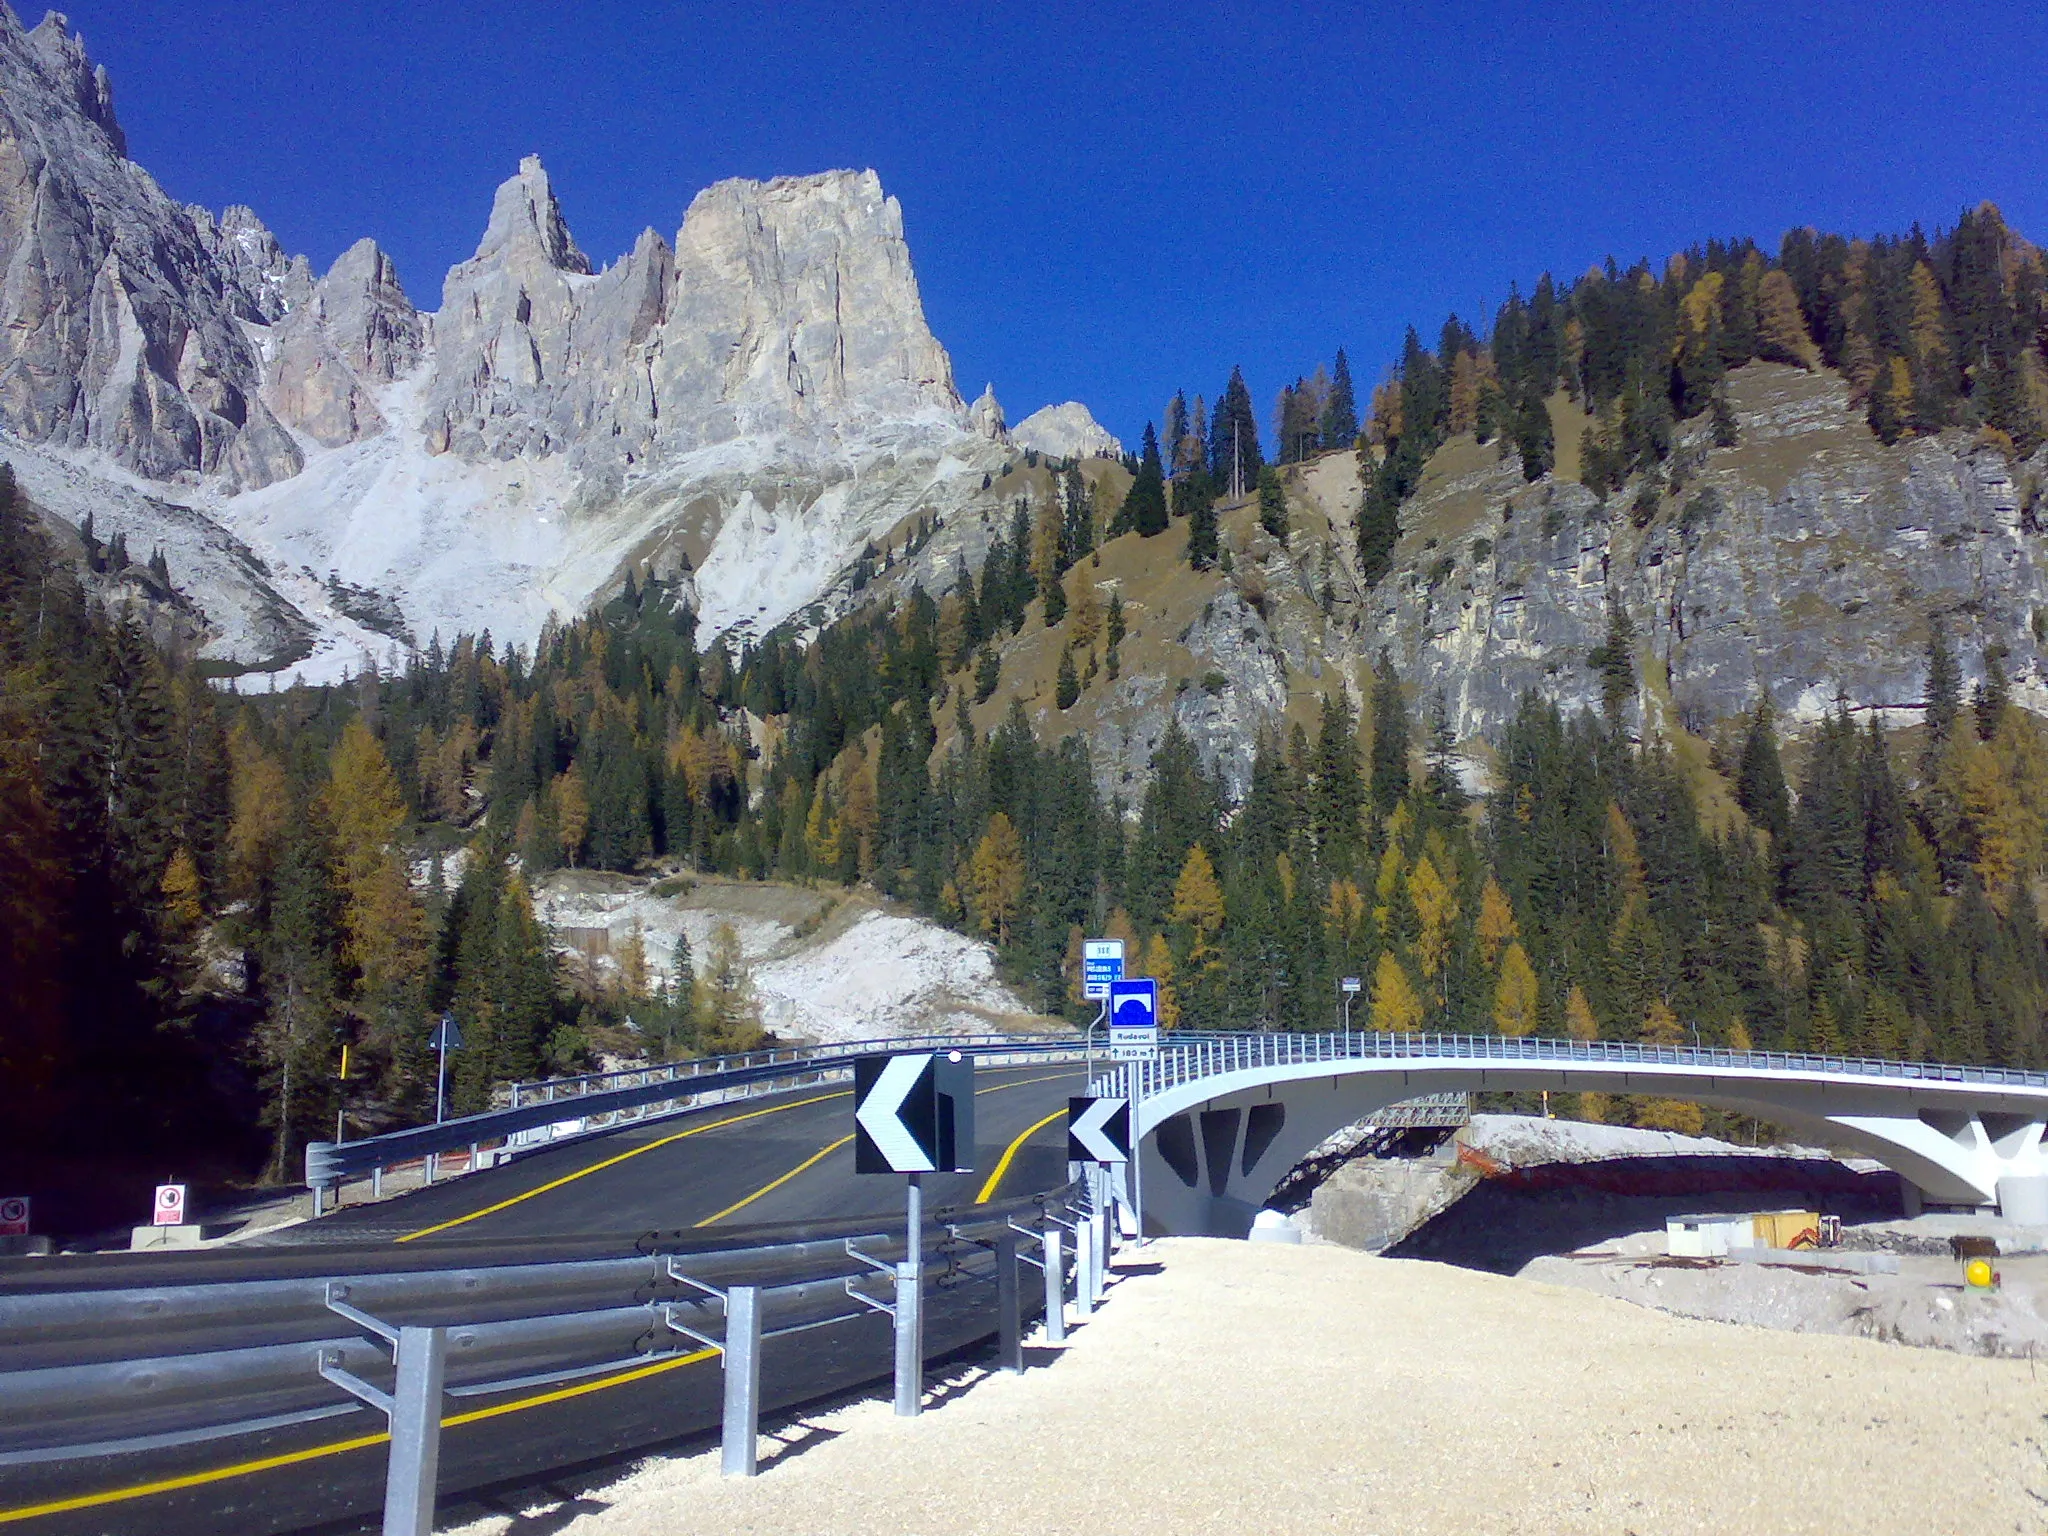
x,y
1214,1147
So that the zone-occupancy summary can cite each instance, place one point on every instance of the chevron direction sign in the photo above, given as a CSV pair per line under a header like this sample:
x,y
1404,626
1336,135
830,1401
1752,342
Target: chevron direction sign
x,y
1098,1130
914,1113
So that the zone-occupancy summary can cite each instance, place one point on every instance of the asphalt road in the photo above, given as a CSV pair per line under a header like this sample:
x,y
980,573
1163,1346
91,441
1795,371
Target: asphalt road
x,y
774,1161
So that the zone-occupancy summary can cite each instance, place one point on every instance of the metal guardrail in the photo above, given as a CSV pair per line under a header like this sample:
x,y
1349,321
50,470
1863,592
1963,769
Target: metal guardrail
x,y
609,1096
1186,1057
153,1369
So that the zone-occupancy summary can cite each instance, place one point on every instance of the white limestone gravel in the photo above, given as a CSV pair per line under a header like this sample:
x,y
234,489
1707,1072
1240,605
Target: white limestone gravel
x,y
1272,1388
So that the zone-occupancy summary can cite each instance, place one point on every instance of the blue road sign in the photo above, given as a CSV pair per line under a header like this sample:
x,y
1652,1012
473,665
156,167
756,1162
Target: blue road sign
x,y
1102,962
1134,1003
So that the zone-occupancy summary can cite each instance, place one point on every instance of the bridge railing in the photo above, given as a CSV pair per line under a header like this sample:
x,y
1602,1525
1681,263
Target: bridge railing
x,y
1187,1056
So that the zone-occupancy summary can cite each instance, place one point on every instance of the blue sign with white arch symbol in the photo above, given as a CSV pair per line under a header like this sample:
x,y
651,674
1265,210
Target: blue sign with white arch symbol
x,y
1134,1017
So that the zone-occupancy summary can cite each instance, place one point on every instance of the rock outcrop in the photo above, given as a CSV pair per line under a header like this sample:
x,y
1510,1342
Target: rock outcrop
x,y
985,416
120,332
1068,431
353,333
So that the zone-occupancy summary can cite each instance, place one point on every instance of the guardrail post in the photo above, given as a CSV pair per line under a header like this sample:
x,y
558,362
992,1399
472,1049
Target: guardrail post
x,y
1084,1267
415,1432
742,1381
909,1339
1009,1330
1055,1286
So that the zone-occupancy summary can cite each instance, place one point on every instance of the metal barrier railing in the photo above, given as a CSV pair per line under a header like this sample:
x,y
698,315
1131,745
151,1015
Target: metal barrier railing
x,y
99,1374
1186,1057
605,1100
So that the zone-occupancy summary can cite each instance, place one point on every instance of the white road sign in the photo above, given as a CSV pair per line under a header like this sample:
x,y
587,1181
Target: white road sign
x,y
169,1210
1098,1130
14,1216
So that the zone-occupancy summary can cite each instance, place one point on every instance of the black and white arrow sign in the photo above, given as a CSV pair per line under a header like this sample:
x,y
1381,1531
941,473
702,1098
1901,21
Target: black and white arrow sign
x,y
914,1113
1098,1130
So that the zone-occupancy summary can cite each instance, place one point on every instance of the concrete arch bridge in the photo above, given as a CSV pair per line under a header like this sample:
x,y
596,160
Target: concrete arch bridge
x,y
1221,1118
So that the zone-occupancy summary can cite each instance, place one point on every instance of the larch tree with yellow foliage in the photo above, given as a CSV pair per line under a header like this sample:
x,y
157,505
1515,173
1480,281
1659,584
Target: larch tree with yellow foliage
x,y
1515,994
1396,1008
995,878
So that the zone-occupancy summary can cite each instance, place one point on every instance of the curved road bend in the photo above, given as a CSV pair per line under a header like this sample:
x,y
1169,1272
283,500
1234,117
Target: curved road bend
x,y
783,1158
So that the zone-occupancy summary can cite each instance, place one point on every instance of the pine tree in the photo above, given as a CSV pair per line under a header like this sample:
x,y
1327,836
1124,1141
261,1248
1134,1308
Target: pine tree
x,y
1194,497
1390,739
1760,781
1535,439
1144,508
1272,504
1944,686
1339,426
1234,455
1067,687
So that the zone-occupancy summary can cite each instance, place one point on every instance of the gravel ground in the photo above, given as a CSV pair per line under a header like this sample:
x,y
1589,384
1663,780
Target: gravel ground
x,y
1263,1387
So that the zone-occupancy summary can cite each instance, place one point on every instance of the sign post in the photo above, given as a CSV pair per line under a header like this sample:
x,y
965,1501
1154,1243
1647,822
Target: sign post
x,y
913,1114
447,1037
14,1215
1350,986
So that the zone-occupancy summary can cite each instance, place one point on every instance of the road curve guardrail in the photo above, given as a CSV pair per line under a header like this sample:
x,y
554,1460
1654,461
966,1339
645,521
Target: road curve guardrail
x,y
613,1098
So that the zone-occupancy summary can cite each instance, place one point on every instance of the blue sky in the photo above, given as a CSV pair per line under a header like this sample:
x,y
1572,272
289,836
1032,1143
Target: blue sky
x,y
1107,202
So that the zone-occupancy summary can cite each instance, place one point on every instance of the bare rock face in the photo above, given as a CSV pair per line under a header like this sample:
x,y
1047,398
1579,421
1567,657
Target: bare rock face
x,y
122,334
1068,431
266,282
784,308
985,416
355,331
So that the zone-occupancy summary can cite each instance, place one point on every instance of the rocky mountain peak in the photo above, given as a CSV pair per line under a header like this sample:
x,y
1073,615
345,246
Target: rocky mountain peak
x,y
1067,431
84,83
525,212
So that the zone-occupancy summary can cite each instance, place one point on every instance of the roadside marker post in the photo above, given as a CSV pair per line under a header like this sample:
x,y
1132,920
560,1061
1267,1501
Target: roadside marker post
x,y
447,1037
913,1114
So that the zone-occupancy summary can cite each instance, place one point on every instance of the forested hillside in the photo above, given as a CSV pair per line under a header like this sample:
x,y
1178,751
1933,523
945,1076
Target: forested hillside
x,y
207,895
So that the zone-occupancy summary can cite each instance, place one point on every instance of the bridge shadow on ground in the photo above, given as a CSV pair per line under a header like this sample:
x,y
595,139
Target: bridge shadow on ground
x,y
1513,1216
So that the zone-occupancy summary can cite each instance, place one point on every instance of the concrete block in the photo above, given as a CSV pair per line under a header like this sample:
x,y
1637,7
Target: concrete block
x,y
146,1239
2024,1200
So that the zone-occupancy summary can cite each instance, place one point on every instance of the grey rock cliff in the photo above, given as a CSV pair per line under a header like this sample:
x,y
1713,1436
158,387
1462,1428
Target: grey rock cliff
x,y
121,333
355,331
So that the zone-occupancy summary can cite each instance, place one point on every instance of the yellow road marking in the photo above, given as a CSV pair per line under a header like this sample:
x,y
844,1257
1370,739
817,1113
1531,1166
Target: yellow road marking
x,y
338,1447
612,1162
810,1162
1003,1166
539,1399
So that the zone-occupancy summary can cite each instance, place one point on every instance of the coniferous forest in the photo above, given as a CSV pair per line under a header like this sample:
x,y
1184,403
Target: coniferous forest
x,y
205,895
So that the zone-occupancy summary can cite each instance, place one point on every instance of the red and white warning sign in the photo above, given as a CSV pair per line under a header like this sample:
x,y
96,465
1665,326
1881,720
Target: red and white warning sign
x,y
170,1206
14,1216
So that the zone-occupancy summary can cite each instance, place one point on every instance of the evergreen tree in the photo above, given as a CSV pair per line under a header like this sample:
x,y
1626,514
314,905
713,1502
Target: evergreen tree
x,y
1339,426
1194,497
1390,739
1272,503
1144,508
1760,780
1234,454
1067,686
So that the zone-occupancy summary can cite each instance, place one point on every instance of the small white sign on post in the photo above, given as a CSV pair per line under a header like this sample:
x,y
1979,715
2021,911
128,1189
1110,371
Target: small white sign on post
x,y
14,1216
170,1206
1352,984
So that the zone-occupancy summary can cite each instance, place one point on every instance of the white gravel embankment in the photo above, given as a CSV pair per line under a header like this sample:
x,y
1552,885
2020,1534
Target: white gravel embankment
x,y
1267,1388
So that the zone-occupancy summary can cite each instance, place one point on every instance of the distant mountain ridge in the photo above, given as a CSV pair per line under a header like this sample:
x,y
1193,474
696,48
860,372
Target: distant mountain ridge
x,y
740,409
